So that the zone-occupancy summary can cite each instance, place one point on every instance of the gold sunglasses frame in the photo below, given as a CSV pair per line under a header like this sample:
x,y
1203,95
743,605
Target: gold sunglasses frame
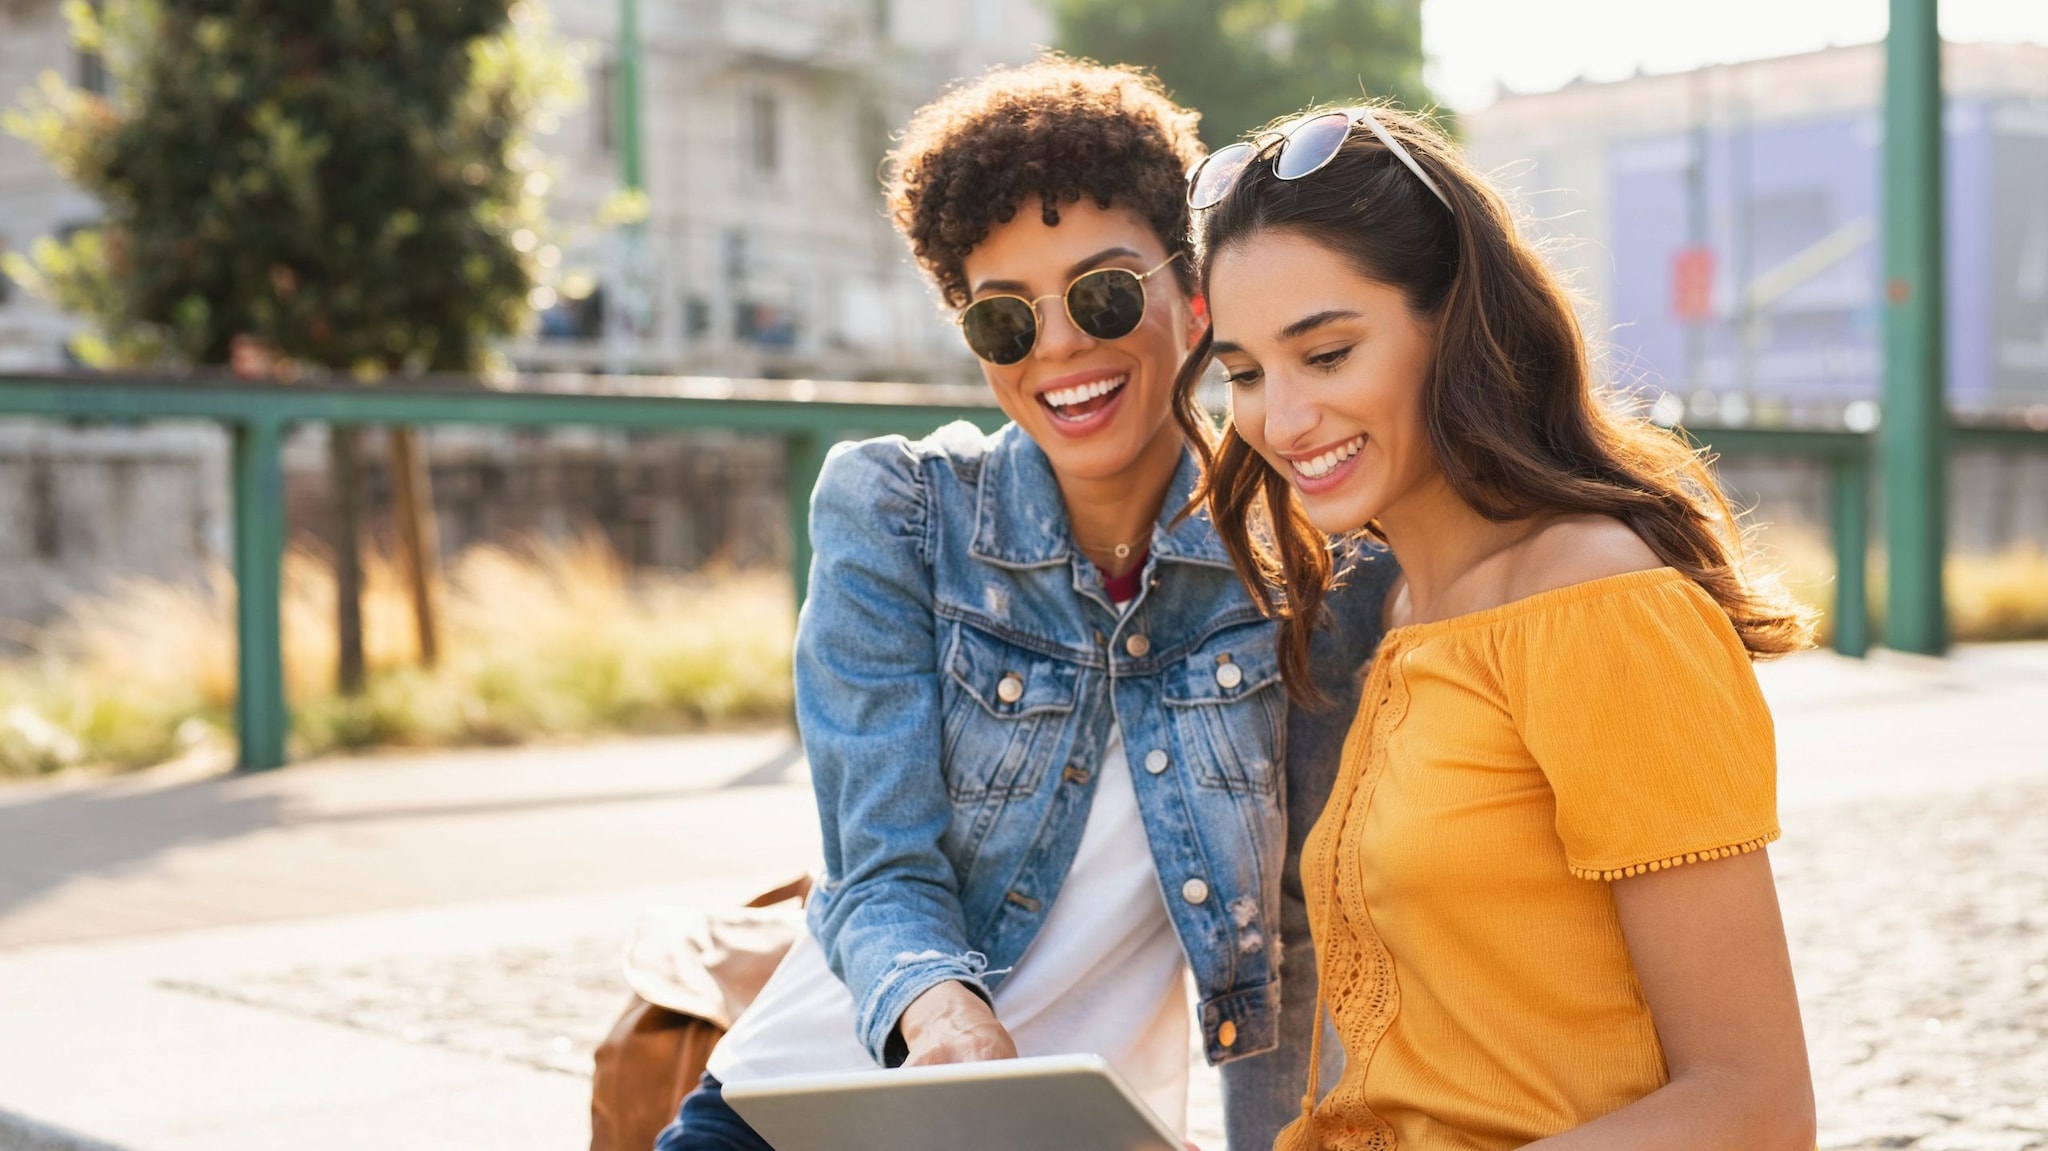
x,y
1038,318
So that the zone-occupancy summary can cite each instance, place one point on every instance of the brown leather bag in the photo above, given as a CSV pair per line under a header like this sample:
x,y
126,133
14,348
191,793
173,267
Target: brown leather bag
x,y
692,973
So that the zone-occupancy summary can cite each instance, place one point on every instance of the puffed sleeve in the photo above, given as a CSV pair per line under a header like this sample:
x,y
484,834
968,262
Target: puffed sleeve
x,y
1640,705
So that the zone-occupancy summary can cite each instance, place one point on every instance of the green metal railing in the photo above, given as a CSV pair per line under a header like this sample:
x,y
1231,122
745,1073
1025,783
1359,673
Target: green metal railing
x,y
807,416
1851,458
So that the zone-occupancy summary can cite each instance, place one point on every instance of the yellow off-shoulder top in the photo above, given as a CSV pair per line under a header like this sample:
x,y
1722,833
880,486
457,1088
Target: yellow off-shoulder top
x,y
1499,762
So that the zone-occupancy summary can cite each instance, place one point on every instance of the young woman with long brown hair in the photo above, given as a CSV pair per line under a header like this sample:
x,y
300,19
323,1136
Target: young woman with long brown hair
x,y
1540,898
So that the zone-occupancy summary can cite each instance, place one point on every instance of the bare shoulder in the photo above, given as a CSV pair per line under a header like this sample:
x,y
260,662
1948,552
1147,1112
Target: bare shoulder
x,y
1576,548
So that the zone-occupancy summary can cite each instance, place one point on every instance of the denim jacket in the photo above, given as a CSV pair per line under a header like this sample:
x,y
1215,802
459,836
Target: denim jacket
x,y
958,669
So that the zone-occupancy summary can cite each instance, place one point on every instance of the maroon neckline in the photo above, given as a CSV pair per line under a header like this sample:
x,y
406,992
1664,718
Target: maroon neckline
x,y
1124,588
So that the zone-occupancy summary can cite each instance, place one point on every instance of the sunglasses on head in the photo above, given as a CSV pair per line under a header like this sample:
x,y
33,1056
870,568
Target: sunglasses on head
x,y
1106,304
1303,148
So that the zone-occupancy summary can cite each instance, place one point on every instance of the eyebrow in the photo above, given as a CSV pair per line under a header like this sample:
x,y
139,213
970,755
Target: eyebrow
x,y
1082,266
1298,328
1307,324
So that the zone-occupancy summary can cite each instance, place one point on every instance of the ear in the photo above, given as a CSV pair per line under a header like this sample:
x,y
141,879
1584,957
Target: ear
x,y
1198,307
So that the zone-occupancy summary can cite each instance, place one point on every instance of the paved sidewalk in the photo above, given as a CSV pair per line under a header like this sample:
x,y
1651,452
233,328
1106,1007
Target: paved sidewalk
x,y
419,951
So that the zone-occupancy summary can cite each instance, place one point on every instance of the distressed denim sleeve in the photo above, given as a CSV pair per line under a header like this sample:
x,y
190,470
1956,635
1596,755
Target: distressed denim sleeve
x,y
1262,1094
867,699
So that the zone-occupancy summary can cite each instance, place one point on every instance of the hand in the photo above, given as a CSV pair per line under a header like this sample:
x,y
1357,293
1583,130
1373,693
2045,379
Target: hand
x,y
950,1024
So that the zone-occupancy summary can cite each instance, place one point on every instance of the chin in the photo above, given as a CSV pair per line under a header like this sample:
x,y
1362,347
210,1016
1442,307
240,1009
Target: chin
x,y
1093,460
1339,515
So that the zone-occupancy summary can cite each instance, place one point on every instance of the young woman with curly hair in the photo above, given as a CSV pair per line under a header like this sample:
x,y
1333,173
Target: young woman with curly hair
x,y
1053,757
1541,902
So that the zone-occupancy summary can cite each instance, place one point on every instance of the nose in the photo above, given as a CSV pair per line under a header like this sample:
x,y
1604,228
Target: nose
x,y
1058,338
1292,414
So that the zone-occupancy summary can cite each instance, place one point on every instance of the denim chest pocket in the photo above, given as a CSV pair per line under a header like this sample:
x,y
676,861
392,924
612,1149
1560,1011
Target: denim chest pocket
x,y
1229,709
1007,712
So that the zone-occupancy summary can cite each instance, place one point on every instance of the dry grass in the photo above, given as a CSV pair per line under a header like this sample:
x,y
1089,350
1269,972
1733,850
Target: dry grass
x,y
1990,597
547,641
539,641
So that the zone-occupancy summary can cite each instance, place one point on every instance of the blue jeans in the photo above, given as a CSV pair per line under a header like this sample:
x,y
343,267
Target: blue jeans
x,y
706,1123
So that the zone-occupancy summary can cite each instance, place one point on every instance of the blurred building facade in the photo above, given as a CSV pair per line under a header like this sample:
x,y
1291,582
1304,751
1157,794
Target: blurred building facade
x,y
765,252
34,200
1724,225
1723,230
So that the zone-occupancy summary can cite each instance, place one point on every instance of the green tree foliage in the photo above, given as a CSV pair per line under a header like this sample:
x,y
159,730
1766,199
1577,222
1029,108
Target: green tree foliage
x,y
348,181
1242,63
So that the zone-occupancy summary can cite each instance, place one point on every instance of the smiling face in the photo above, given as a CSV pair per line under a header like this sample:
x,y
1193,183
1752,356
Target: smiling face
x,y
1097,407
1327,373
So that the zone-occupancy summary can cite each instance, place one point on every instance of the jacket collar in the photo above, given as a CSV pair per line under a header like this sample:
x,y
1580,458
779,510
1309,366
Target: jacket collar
x,y
1021,521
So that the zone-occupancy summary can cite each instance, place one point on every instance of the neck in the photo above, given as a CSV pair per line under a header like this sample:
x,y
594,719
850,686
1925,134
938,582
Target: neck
x,y
1121,508
1441,542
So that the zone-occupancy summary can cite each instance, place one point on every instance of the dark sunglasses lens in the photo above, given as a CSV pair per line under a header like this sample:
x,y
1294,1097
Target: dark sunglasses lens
x,y
1000,329
1107,304
1214,178
1312,145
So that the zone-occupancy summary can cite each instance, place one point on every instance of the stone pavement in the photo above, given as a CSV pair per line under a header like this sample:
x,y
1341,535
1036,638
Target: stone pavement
x,y
419,951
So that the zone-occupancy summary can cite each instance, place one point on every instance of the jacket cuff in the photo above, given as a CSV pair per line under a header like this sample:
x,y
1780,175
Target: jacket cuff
x,y
1242,1023
911,976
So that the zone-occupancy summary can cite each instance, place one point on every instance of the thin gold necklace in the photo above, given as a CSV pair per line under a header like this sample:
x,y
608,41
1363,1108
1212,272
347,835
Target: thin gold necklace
x,y
1120,551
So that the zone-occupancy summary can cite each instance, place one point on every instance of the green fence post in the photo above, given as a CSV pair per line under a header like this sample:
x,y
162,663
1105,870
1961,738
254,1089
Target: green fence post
x,y
804,458
259,562
628,95
1849,505
1913,437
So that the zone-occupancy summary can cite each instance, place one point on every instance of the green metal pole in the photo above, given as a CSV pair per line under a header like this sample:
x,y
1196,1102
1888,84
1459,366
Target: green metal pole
x,y
259,561
1913,437
625,305
1850,504
804,459
629,95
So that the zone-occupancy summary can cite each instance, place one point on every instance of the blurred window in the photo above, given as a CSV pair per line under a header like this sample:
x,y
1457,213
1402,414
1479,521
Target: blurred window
x,y
766,325
763,134
574,319
604,109
91,69
696,317
737,258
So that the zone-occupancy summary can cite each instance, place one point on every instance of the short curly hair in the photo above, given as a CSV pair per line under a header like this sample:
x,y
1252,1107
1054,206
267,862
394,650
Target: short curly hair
x,y
1057,128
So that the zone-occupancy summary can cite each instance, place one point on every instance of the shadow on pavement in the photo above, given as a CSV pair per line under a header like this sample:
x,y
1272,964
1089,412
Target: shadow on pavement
x,y
101,831
105,831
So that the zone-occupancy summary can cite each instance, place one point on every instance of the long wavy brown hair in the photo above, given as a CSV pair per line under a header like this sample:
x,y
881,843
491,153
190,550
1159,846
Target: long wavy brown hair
x,y
1516,420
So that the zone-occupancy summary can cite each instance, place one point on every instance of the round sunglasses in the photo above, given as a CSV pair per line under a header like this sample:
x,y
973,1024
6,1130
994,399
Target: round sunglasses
x,y
1107,304
1303,148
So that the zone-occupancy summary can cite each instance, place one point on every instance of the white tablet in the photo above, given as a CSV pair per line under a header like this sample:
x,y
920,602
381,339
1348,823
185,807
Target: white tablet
x,y
1047,1103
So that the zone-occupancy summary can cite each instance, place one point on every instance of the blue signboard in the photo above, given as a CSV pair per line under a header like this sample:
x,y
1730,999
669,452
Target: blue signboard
x,y
1790,224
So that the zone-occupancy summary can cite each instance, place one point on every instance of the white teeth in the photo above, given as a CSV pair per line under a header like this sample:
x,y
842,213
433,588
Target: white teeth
x,y
1323,465
1068,397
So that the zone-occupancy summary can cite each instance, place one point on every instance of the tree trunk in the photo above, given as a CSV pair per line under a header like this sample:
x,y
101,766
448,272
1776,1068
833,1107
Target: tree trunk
x,y
418,535
344,472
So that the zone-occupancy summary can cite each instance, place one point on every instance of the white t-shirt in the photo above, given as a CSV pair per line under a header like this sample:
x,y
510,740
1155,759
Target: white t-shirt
x,y
1105,975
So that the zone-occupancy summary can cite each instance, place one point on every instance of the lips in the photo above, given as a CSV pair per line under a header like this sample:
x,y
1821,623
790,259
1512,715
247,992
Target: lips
x,y
1083,400
1329,460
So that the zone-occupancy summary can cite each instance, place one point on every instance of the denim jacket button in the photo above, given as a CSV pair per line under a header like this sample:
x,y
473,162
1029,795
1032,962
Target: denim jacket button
x,y
1011,689
1228,675
1195,891
1226,1035
1138,645
1155,761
